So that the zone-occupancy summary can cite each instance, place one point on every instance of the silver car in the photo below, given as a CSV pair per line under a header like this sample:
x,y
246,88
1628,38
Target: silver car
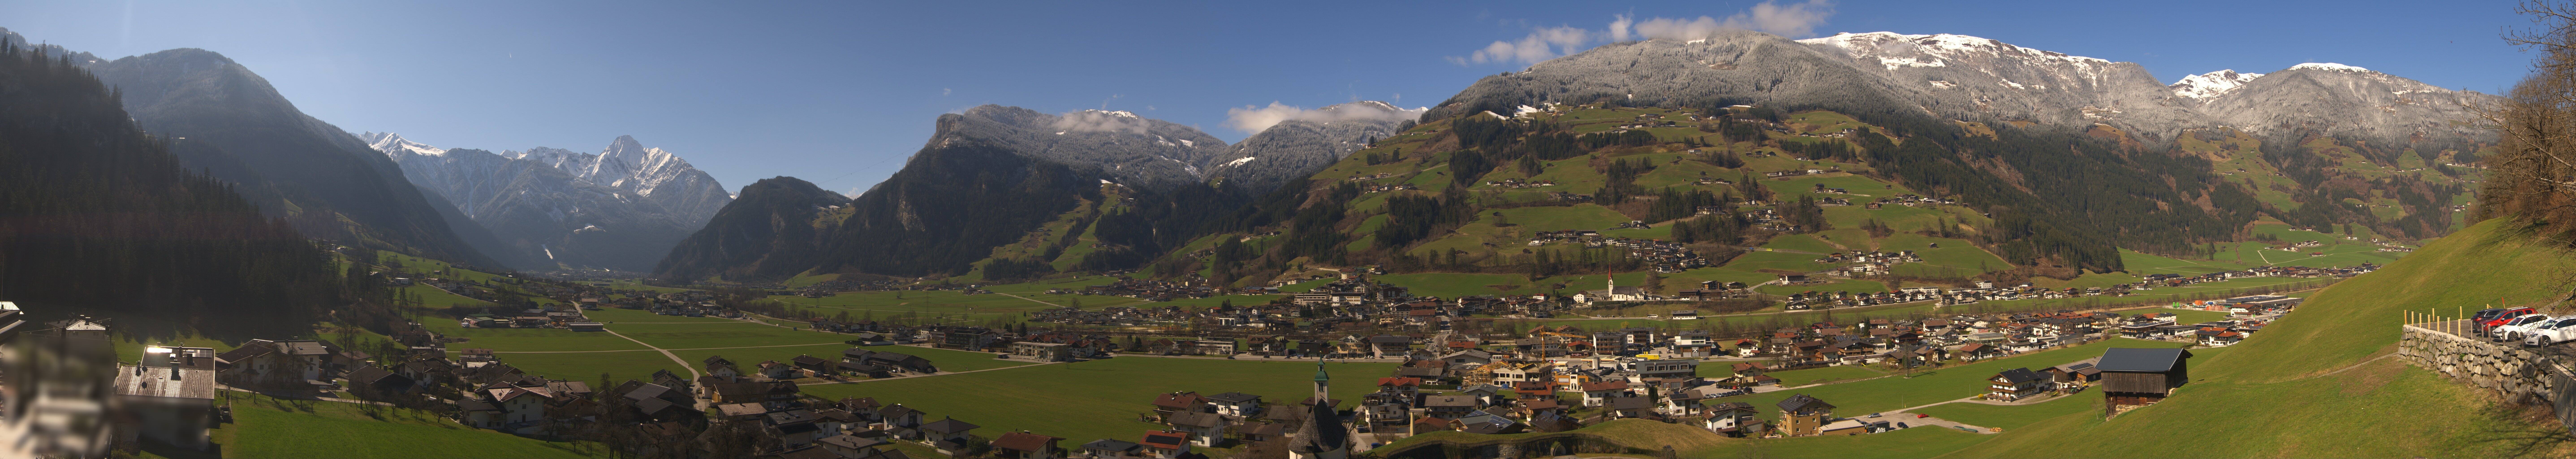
x,y
2514,329
2551,332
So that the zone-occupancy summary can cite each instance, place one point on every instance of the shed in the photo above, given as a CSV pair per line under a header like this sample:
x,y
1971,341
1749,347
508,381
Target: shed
x,y
2133,377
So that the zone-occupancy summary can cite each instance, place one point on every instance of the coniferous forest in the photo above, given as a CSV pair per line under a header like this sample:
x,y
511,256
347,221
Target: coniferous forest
x,y
96,214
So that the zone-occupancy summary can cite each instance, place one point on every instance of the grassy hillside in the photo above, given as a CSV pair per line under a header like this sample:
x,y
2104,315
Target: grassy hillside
x,y
2273,396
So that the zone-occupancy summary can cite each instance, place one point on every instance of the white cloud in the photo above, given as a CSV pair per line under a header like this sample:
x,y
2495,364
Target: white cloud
x,y
1253,119
944,91
1101,121
1792,20
1540,45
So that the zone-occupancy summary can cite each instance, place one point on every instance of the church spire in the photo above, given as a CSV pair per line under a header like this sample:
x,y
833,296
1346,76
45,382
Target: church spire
x,y
1323,382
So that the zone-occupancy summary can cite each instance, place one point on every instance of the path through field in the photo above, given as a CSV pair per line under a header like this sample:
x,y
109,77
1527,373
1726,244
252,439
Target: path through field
x,y
1027,298
675,358
688,349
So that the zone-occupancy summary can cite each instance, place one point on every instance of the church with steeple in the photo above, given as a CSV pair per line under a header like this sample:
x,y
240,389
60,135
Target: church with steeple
x,y
1323,435
1611,291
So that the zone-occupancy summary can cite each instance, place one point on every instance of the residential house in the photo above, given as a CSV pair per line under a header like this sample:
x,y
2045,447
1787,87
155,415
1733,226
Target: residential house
x,y
1734,419
1407,390
1168,404
1025,445
717,366
1204,429
849,446
1236,405
1803,415
1043,352
1165,445
1630,407
170,396
1977,351
1600,393
2014,384
1114,449
948,435
1449,406
2077,372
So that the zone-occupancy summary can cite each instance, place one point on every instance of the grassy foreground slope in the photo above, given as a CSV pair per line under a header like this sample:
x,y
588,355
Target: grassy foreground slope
x,y
274,428
2309,386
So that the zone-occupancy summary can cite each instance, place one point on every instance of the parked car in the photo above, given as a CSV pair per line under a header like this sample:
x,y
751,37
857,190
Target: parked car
x,y
2551,332
2501,315
2513,329
2485,314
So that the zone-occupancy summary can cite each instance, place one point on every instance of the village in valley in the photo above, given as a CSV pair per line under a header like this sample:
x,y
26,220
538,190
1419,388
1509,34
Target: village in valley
x,y
1887,324
791,373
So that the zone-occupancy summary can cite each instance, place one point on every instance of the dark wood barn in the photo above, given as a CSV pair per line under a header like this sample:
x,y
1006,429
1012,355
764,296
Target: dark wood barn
x,y
2135,377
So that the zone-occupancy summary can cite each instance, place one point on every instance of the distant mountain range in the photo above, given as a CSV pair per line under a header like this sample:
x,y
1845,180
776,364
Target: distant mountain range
x,y
1978,79
623,208
991,175
1000,184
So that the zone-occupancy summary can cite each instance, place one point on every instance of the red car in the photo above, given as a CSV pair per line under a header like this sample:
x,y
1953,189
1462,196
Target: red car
x,y
1920,416
2485,322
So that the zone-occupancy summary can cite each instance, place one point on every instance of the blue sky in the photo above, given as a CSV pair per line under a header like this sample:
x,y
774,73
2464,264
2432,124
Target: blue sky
x,y
839,93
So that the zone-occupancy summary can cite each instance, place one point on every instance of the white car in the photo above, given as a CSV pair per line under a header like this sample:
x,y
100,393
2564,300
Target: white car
x,y
2513,329
2550,332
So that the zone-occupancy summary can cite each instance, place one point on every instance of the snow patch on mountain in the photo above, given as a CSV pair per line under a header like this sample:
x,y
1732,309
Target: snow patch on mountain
x,y
2329,66
2213,84
1897,51
388,143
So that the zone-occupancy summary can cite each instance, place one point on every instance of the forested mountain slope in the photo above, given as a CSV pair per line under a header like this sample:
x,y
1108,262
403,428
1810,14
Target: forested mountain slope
x,y
323,180
95,213
773,230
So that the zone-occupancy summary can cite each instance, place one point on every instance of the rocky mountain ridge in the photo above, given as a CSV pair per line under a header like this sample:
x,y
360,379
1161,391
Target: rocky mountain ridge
x,y
656,174
1976,79
547,207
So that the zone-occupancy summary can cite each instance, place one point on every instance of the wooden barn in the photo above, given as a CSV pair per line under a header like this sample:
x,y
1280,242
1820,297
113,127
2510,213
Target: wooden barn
x,y
2138,377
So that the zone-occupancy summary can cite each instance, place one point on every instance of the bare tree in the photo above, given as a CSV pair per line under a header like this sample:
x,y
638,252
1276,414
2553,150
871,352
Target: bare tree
x,y
2532,176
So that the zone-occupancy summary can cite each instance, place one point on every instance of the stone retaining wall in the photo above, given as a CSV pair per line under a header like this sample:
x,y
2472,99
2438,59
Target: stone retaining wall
x,y
2502,367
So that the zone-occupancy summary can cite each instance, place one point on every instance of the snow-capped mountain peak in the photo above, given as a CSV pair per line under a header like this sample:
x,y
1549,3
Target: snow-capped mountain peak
x,y
2213,84
1896,50
390,142
2330,66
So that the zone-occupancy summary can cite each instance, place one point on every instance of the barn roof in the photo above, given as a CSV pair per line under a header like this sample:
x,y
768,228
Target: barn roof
x,y
2135,360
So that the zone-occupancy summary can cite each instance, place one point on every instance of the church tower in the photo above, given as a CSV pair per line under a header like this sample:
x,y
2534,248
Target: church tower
x,y
1322,435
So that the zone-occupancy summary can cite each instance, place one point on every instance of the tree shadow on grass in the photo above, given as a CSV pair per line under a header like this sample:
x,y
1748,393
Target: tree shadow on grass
x,y
157,448
2523,430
